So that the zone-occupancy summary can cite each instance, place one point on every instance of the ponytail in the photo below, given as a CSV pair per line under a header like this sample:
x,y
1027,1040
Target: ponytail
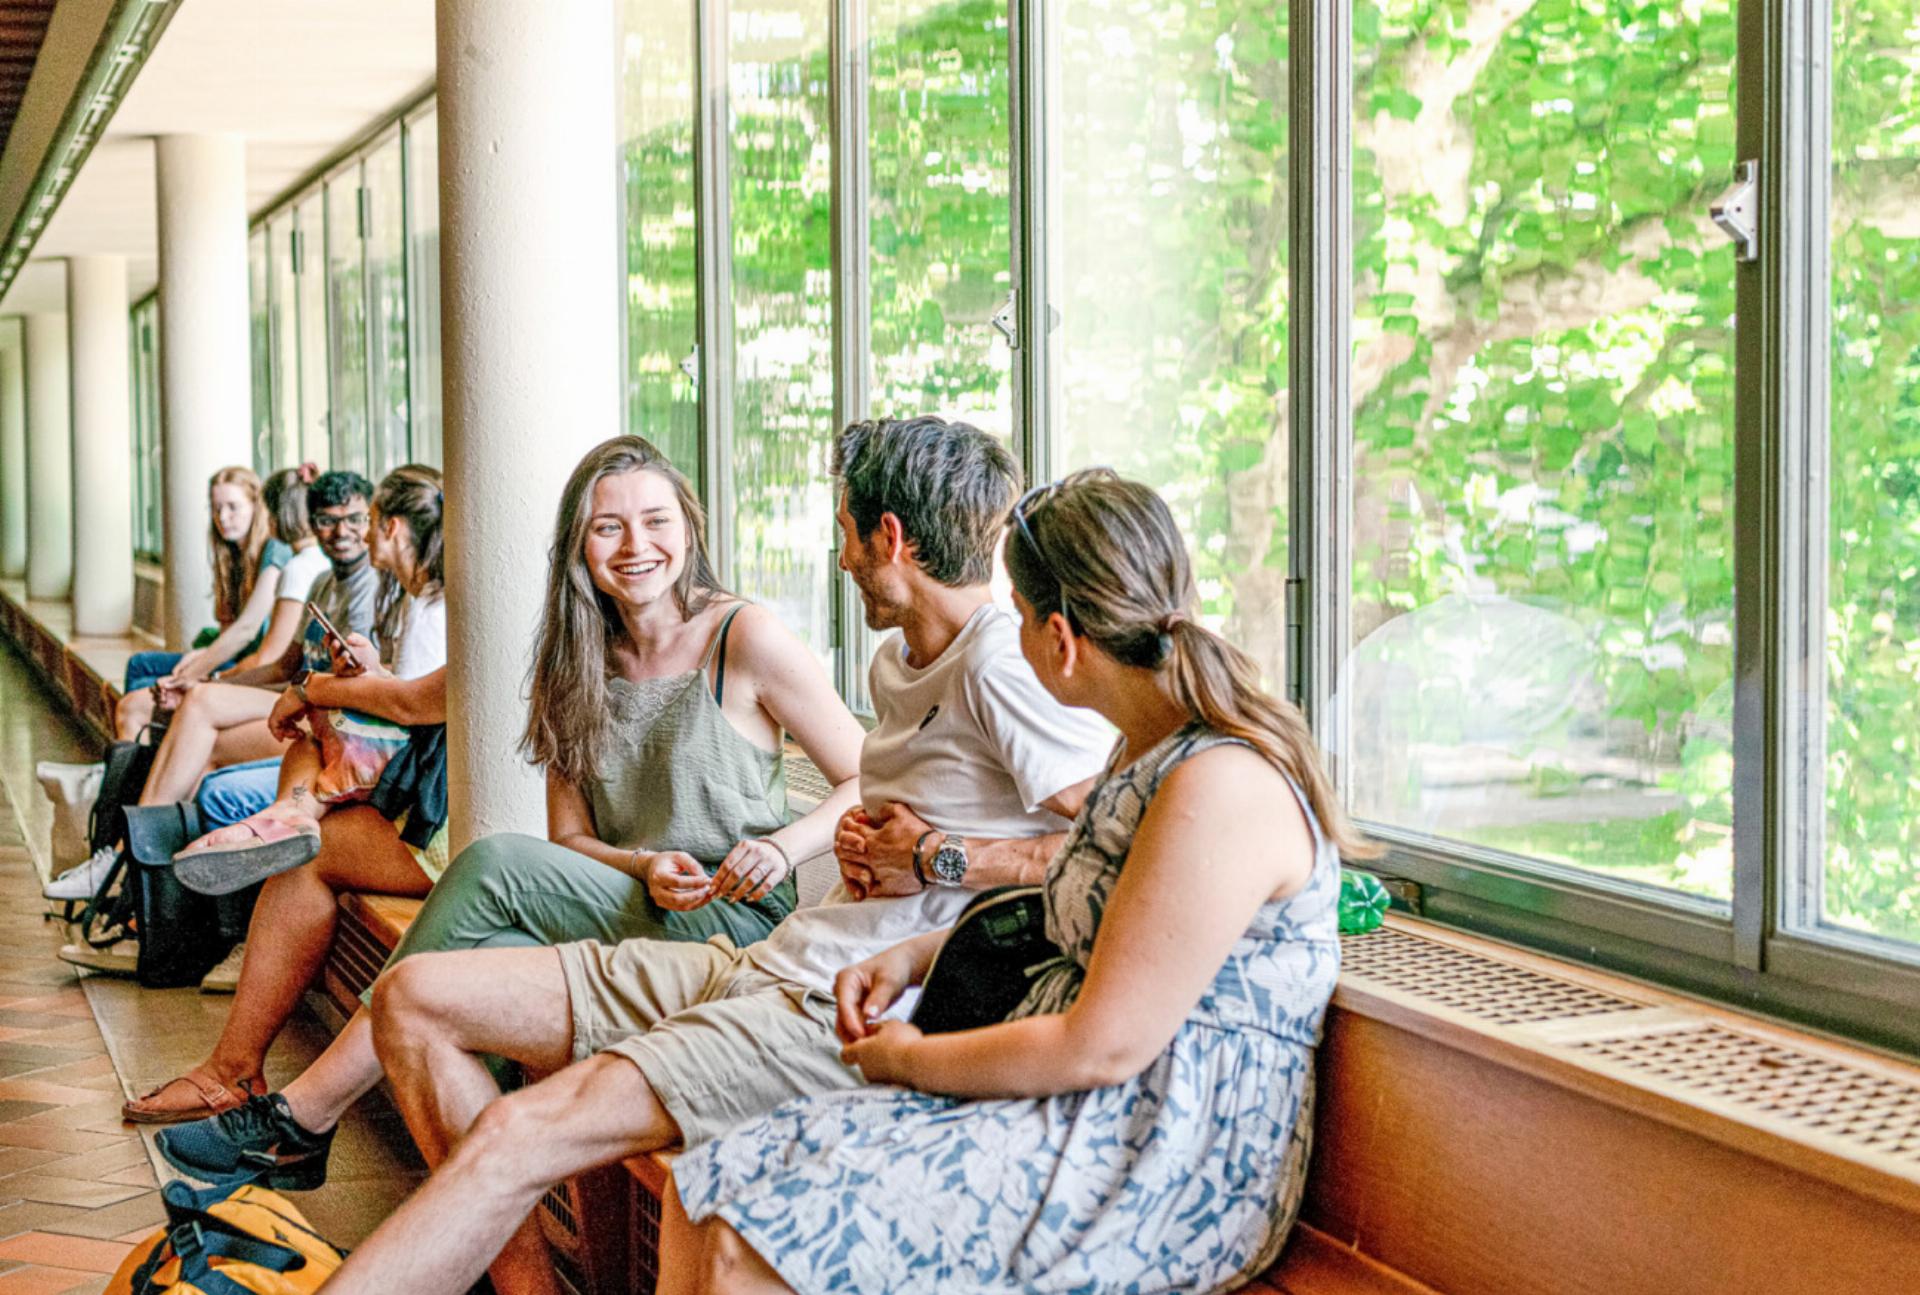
x,y
1107,554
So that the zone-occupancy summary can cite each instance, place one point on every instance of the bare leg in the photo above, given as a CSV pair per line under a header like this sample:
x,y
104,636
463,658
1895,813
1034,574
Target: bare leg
x,y
709,1257
292,929
244,742
185,751
338,1077
432,1014
132,713
293,802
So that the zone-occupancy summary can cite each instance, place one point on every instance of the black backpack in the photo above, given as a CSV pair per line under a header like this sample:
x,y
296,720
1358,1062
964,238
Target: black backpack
x,y
182,935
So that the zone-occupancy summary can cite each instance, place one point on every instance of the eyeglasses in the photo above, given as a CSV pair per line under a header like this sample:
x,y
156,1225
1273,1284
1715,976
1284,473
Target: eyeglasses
x,y
333,521
1029,504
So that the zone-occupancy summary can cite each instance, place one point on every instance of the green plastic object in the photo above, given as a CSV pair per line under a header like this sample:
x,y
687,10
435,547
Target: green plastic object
x,y
1363,902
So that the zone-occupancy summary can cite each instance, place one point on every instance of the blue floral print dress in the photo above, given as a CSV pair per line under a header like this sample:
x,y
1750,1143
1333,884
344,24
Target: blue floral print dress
x,y
1183,1178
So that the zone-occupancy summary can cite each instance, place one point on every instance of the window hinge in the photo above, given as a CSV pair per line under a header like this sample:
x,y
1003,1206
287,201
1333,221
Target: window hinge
x,y
1296,641
1737,211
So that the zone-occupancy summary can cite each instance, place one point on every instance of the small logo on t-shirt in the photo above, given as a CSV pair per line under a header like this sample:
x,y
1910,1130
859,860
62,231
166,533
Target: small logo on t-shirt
x,y
930,714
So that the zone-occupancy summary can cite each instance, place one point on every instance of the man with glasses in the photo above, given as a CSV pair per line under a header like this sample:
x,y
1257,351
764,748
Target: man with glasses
x,y
968,780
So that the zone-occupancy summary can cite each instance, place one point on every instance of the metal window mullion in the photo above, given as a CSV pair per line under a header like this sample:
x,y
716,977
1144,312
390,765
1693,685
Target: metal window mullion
x,y
406,275
852,279
363,215
1029,115
1780,366
713,253
1320,302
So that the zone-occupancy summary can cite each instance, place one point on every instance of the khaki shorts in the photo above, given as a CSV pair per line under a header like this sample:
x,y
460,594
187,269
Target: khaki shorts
x,y
719,1040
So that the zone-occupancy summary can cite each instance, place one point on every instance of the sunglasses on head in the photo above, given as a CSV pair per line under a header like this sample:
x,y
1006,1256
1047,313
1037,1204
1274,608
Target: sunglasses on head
x,y
1029,504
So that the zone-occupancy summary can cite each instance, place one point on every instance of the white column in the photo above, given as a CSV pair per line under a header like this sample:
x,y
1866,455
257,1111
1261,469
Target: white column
x,y
530,311
13,452
205,353
49,460
102,445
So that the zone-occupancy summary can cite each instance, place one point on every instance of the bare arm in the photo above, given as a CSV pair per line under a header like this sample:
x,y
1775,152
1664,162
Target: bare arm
x,y
275,673
288,615
202,662
404,701
1199,868
570,823
876,858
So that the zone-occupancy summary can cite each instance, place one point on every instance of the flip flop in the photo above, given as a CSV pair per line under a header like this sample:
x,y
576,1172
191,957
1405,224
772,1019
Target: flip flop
x,y
215,1098
223,869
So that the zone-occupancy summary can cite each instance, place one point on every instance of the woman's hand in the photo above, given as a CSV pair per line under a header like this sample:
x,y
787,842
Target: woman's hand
x,y
676,881
864,991
750,871
885,1056
192,666
169,692
283,721
363,659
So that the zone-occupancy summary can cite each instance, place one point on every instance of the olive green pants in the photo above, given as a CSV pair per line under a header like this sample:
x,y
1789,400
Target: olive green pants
x,y
513,891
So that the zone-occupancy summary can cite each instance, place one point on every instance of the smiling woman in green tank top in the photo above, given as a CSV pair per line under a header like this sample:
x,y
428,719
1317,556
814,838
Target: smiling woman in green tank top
x,y
658,706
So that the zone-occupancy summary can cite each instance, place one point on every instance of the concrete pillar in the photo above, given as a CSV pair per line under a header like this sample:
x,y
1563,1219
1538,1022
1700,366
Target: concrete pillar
x,y
49,460
206,412
13,452
530,351
102,445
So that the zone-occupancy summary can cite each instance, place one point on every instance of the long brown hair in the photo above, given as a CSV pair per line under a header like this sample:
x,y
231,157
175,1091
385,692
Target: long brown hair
x,y
285,495
412,493
1111,558
235,564
567,703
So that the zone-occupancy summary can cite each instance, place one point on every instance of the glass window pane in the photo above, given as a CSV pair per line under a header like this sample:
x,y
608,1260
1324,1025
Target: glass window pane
x,y
259,289
1167,256
316,442
782,284
347,322
423,284
386,238
1871,881
145,408
940,220
1542,581
285,332
657,79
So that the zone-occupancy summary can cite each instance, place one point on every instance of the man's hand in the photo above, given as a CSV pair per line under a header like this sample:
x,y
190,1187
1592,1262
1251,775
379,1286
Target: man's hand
x,y
876,856
676,881
283,721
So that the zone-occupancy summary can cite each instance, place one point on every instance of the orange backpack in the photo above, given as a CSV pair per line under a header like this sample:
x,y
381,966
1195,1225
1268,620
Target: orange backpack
x,y
228,1241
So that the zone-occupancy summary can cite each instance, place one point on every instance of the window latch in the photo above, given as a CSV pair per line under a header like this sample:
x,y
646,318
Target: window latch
x,y
690,364
1006,320
1737,211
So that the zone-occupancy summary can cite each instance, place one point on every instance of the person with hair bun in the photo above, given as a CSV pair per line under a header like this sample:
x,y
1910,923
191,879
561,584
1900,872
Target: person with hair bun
x,y
1141,1121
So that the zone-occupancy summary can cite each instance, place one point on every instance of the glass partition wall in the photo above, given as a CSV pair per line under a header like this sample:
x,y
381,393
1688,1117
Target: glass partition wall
x,y
1587,554
346,311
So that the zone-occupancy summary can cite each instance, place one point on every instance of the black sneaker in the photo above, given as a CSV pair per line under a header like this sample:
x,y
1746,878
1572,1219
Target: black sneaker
x,y
259,1142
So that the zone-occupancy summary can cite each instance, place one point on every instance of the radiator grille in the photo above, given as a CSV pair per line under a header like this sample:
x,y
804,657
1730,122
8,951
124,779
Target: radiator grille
x,y
646,1241
558,1204
804,779
1467,982
1874,1112
357,955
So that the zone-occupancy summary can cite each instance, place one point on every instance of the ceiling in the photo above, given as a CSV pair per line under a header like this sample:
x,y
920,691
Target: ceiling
x,y
296,79
23,26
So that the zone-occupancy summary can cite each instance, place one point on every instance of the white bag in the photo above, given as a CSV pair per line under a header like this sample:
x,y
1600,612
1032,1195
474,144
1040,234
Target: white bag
x,y
72,789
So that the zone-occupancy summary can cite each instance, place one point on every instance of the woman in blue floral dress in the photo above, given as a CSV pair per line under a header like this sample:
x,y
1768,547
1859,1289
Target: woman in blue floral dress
x,y
1141,1122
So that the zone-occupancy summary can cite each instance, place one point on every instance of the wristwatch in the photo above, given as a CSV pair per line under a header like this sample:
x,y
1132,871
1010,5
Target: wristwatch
x,y
949,862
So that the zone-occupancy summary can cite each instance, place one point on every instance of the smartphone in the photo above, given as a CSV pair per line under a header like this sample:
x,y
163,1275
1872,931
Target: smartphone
x,y
334,636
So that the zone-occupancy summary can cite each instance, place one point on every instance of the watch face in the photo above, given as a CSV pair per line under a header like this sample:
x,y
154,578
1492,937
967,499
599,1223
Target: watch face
x,y
950,863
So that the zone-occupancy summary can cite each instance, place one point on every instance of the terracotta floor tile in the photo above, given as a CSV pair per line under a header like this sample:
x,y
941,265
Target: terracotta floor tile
x,y
38,1216
144,1212
12,1111
66,1191
80,1115
70,1141
82,1253
38,1090
77,1072
36,1280
17,1160
91,1286
95,1164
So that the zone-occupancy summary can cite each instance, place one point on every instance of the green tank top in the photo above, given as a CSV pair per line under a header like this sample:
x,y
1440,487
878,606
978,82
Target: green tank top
x,y
678,775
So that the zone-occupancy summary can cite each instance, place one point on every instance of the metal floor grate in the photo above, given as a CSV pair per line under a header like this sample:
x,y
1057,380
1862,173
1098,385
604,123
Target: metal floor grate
x,y
1467,982
1875,1112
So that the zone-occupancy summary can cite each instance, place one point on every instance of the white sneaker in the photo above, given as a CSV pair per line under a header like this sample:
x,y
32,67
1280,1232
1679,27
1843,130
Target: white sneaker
x,y
81,881
225,978
121,958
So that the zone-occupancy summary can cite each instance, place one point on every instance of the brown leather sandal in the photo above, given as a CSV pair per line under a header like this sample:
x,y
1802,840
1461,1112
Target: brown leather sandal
x,y
207,1097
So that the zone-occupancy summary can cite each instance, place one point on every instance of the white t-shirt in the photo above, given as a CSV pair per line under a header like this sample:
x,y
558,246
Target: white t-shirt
x,y
423,637
302,569
972,744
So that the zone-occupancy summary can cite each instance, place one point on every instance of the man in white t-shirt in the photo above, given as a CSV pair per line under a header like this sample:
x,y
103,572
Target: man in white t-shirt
x,y
969,779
